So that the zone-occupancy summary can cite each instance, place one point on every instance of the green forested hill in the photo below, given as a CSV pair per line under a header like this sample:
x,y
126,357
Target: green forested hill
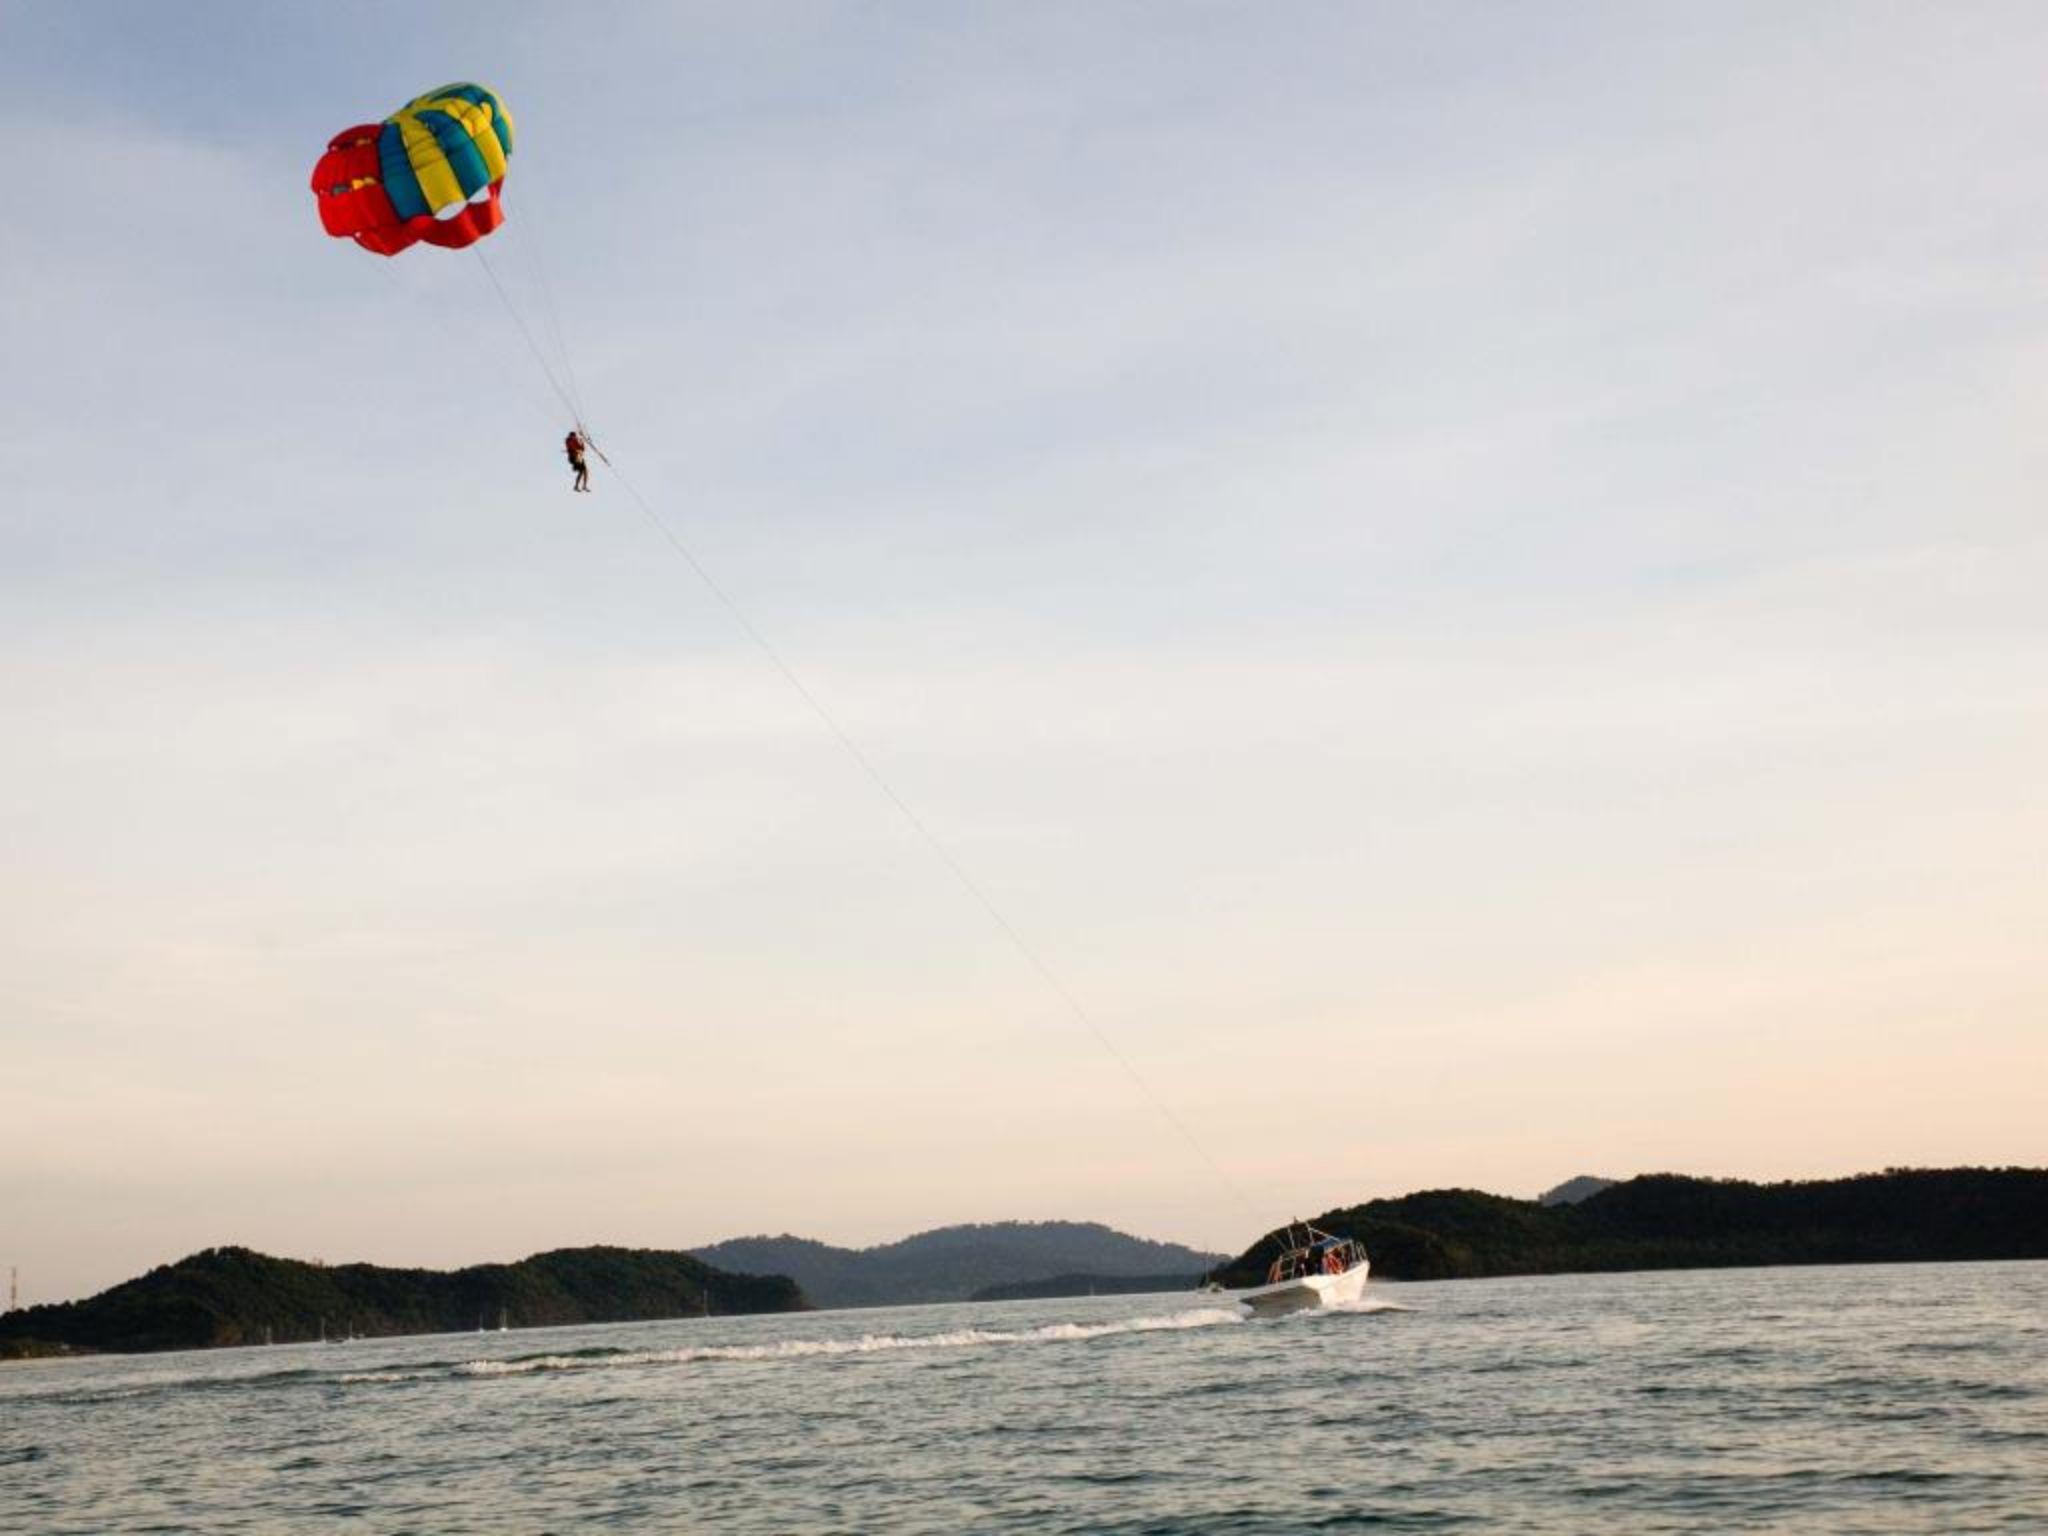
x,y
1670,1221
237,1296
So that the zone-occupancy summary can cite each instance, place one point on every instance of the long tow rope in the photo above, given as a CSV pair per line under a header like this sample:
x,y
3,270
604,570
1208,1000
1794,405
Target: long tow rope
x,y
931,839
960,873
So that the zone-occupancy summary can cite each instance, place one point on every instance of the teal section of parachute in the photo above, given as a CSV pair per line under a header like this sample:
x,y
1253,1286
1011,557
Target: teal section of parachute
x,y
471,170
395,170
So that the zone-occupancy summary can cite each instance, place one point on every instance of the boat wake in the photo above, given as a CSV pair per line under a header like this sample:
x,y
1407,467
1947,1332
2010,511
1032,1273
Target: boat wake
x,y
865,1344
1364,1304
601,1358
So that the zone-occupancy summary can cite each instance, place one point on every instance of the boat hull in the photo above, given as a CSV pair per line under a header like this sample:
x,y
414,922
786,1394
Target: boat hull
x,y
1306,1292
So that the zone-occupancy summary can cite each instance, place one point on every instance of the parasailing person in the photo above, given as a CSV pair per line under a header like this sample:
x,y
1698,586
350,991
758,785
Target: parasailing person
x,y
574,445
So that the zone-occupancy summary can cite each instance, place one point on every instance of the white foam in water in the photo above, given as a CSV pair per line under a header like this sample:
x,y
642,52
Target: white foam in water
x,y
866,1344
1364,1304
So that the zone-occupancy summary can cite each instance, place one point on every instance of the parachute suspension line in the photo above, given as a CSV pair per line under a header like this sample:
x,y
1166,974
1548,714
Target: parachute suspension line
x,y
931,839
524,234
530,240
526,331
473,337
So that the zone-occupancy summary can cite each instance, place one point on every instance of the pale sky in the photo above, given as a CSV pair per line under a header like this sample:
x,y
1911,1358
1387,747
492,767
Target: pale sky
x,y
1469,576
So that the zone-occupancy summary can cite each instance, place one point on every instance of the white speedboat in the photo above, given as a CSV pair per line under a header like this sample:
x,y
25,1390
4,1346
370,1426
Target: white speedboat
x,y
1315,1269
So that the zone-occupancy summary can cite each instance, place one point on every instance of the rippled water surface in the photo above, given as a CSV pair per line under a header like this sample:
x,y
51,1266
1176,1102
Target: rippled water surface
x,y
1868,1399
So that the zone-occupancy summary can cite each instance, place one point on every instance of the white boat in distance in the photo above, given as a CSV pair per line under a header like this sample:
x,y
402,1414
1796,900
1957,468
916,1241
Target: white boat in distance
x,y
1316,1269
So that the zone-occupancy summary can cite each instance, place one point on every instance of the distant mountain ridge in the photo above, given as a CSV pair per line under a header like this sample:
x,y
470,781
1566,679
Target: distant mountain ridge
x,y
225,1296
1572,1191
1056,1286
953,1263
1670,1221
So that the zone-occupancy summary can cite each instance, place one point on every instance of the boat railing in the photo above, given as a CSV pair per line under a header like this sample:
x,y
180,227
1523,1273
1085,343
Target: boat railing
x,y
1320,1254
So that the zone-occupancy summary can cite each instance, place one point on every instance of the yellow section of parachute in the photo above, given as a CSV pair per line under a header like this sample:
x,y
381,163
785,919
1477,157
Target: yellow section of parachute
x,y
453,165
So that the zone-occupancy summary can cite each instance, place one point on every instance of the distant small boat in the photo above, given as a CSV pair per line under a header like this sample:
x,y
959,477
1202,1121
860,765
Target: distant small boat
x,y
1317,1269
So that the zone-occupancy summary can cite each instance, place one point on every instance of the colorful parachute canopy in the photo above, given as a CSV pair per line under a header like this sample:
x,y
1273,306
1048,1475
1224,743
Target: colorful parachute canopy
x,y
431,171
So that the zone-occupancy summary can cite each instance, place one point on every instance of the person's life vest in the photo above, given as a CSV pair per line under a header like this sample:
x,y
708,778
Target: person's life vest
x,y
573,446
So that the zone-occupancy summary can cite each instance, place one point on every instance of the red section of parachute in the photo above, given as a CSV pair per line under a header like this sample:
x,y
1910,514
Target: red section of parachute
x,y
348,187
467,227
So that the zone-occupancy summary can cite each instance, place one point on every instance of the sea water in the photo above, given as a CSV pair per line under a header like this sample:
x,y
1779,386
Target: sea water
x,y
1888,1398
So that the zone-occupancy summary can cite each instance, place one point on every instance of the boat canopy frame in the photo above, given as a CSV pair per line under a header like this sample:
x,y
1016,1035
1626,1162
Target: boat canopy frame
x,y
1312,1251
